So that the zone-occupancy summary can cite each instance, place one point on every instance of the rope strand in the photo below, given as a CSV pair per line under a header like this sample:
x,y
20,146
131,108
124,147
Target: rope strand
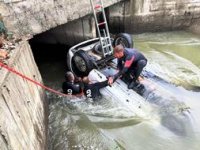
x,y
35,82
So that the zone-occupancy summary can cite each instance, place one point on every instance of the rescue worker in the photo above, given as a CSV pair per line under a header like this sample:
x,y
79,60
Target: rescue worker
x,y
91,90
130,62
70,86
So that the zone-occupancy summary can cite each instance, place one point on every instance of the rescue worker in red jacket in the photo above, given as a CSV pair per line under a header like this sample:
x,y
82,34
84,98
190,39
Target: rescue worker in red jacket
x,y
130,62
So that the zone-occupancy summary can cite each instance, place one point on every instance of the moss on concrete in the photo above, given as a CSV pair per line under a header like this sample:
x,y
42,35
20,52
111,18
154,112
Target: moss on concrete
x,y
3,29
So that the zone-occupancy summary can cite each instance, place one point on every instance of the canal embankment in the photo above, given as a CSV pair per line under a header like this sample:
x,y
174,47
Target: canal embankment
x,y
23,106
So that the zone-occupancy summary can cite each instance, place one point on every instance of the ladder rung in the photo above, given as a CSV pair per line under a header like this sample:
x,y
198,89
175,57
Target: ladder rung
x,y
97,6
105,38
102,23
107,45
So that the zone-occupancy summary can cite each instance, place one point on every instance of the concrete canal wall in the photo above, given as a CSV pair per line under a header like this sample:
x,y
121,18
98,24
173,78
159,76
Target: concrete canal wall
x,y
153,15
23,116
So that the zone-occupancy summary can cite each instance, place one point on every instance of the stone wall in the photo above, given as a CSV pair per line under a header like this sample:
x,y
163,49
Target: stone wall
x,y
30,17
70,33
22,104
154,15
195,27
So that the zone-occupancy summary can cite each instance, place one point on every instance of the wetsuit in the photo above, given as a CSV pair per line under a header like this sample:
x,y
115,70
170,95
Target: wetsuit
x,y
92,90
71,88
132,63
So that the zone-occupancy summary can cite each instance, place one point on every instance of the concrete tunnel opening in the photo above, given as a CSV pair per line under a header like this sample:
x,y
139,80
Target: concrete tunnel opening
x,y
52,46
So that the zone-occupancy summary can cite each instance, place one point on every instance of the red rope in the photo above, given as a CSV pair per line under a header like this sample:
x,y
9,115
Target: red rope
x,y
35,82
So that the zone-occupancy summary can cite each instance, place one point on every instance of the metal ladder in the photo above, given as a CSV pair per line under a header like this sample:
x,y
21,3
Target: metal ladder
x,y
104,35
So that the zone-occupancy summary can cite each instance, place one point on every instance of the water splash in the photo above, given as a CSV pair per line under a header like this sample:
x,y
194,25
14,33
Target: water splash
x,y
180,72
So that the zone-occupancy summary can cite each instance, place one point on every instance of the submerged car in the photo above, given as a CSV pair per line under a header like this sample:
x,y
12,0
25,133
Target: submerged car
x,y
89,55
87,59
85,56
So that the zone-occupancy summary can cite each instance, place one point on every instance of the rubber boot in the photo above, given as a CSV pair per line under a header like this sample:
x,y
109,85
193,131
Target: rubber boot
x,y
133,84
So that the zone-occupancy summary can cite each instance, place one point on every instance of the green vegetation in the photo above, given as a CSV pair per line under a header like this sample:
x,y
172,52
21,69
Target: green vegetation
x,y
3,29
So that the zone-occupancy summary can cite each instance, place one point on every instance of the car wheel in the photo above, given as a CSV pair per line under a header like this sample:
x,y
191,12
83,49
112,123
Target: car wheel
x,y
124,39
82,63
98,48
